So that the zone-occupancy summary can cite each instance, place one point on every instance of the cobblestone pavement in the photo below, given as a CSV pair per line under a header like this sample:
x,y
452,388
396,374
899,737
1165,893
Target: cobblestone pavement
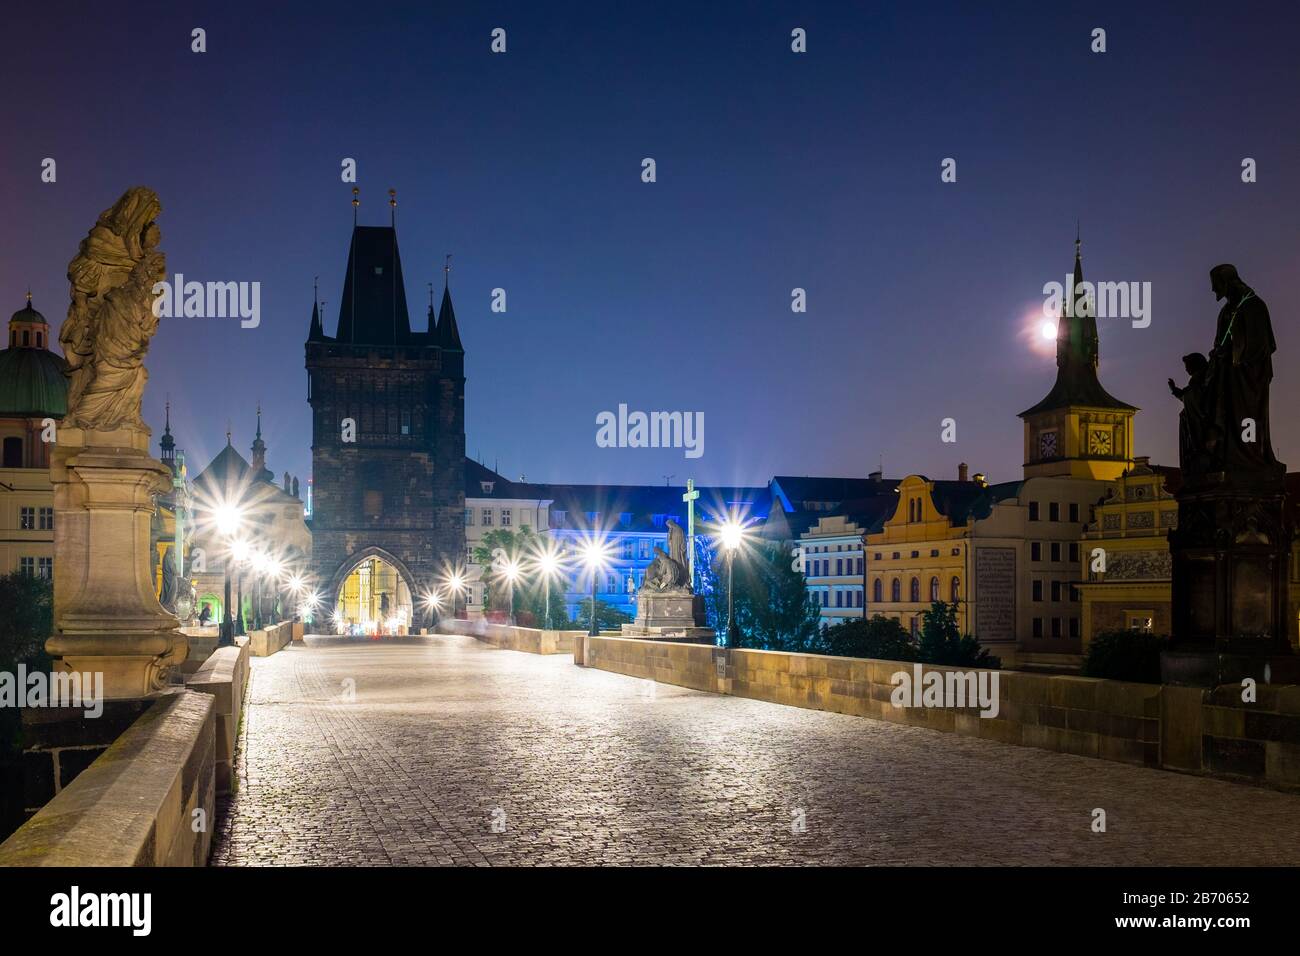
x,y
454,752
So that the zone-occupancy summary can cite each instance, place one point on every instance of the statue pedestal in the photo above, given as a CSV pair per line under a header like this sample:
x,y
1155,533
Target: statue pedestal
x,y
1231,555
672,615
107,618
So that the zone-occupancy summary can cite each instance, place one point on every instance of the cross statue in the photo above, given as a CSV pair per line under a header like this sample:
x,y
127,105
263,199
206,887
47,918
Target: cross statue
x,y
689,498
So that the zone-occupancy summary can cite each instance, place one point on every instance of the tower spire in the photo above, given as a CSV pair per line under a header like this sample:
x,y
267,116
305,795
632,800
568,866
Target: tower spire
x,y
356,201
392,208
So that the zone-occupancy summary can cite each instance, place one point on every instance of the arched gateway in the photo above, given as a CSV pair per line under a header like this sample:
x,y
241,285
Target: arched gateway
x,y
373,594
388,443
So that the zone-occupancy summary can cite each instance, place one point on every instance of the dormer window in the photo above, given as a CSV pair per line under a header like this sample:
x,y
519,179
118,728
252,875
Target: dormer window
x,y
487,486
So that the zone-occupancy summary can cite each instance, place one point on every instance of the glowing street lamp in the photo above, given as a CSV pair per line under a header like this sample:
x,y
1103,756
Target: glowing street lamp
x,y
228,520
732,535
548,565
510,569
594,556
455,583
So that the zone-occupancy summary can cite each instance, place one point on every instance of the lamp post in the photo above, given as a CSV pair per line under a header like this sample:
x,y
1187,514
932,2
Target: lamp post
x,y
228,519
239,549
260,563
595,559
548,562
455,583
511,571
732,535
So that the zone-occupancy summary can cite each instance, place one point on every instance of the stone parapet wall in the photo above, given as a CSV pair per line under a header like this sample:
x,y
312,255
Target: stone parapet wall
x,y
1149,725
530,640
135,805
225,676
266,641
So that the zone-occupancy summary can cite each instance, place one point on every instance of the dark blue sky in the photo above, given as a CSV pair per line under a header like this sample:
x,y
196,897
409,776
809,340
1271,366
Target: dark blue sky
x,y
775,170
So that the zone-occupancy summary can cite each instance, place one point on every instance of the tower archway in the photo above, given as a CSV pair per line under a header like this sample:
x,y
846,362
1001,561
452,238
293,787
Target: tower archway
x,y
372,594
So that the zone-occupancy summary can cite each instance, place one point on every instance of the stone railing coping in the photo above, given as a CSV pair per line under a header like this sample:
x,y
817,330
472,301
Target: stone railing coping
x,y
129,807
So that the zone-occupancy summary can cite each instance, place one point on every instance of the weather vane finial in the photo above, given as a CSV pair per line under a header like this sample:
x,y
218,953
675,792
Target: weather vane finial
x,y
356,201
446,271
392,206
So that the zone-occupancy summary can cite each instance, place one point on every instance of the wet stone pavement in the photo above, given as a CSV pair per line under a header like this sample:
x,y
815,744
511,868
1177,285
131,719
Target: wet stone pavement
x,y
443,750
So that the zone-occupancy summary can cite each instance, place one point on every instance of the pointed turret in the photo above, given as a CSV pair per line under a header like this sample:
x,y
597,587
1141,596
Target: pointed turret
x,y
448,333
373,310
315,333
167,444
258,464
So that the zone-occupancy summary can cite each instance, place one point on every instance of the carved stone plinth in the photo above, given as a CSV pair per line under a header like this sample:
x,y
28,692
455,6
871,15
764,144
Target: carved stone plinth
x,y
672,608
106,616
1231,556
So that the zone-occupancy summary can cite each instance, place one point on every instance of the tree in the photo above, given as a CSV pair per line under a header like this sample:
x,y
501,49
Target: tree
x,y
608,617
774,610
26,620
882,638
941,640
1132,655
521,545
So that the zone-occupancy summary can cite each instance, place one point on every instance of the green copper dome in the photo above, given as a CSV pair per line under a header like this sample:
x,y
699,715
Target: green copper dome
x,y
32,383
28,314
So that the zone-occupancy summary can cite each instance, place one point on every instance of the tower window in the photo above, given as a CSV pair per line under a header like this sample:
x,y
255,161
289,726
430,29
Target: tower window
x,y
372,503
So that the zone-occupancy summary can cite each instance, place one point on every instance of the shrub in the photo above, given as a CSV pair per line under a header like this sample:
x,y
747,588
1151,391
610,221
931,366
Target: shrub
x,y
880,637
1132,655
943,643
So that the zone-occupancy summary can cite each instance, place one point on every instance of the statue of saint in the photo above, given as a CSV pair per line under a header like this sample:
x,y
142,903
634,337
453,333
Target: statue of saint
x,y
111,318
1198,439
668,569
1239,372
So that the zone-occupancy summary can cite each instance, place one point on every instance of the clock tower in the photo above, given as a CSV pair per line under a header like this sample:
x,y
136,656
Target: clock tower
x,y
1079,430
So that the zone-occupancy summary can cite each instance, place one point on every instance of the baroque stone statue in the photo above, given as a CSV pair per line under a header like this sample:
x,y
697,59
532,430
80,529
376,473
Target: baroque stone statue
x,y
111,319
668,569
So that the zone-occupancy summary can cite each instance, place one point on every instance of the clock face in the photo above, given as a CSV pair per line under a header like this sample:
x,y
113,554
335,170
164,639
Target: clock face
x,y
1047,447
1099,441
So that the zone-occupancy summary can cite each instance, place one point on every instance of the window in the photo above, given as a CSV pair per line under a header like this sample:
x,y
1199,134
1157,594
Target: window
x,y
625,518
1074,553
839,566
505,517
896,555
859,593
47,519
1056,594
914,592
839,598
628,545
956,552
877,591
13,453
896,591
934,589
955,590
1038,627
643,549
1074,516
826,598
1054,511
45,568
1056,551
27,519
860,567
1036,551
1033,511
525,518
1056,627
558,518
27,566
1037,590
934,552
1074,627
487,517
406,422
469,517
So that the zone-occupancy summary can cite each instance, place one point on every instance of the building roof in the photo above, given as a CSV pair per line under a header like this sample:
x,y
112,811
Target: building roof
x,y
799,493
33,383
1077,356
960,501
373,306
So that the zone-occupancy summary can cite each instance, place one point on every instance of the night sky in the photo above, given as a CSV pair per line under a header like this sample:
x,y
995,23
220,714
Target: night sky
x,y
775,170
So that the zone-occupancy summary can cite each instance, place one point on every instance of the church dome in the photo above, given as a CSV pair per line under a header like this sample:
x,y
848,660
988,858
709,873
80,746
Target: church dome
x,y
27,314
32,383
